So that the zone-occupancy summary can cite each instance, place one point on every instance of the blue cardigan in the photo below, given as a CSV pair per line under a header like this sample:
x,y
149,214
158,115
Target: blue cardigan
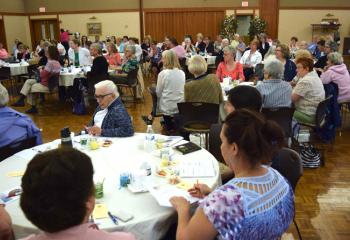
x,y
290,70
117,122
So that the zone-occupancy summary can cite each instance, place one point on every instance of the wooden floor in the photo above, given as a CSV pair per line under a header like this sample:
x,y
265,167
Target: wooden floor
x,y
322,195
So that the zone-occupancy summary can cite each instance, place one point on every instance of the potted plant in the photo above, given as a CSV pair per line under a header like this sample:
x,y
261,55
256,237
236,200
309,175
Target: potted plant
x,y
229,27
257,26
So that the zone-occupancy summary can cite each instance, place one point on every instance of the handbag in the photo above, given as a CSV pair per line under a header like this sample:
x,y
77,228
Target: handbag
x,y
310,156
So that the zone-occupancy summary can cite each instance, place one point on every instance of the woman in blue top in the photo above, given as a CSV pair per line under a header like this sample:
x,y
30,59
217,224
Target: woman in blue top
x,y
290,69
258,203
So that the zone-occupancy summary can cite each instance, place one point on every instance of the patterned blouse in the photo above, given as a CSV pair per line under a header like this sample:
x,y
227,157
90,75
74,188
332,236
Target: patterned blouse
x,y
251,208
130,65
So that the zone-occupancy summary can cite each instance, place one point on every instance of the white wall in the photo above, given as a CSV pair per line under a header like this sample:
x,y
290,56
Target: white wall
x,y
17,27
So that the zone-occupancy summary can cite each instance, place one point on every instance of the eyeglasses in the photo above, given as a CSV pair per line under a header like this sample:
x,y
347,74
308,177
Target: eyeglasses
x,y
100,97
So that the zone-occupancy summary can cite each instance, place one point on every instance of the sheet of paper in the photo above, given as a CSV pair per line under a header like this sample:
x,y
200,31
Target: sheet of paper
x,y
196,168
15,174
100,211
11,195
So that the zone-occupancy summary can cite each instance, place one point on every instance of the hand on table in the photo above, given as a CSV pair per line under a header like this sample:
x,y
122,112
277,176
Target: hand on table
x,y
94,130
199,190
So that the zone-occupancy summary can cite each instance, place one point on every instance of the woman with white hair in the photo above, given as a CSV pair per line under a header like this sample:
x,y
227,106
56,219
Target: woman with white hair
x,y
110,118
229,67
130,64
337,72
204,87
274,91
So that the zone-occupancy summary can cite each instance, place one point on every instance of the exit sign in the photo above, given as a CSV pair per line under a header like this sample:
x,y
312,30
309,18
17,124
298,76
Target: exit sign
x,y
245,4
42,9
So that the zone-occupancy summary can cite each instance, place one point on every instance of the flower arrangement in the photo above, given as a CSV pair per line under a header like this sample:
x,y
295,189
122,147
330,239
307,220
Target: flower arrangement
x,y
229,26
257,26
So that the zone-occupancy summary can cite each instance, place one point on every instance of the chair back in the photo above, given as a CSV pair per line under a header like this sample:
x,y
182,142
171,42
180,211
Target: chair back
x,y
132,76
321,112
9,150
289,164
215,142
259,71
283,116
53,81
5,73
198,114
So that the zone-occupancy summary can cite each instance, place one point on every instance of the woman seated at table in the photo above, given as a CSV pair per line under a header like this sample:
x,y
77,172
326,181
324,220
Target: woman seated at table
x,y
308,92
337,72
155,57
146,45
129,64
250,59
23,52
229,67
99,68
78,56
170,88
204,87
62,209
282,54
209,46
200,45
41,84
113,56
258,203
188,46
3,53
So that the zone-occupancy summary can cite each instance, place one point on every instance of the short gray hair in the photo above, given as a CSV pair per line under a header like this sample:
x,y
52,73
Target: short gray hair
x,y
332,45
97,47
131,48
335,58
4,96
230,49
197,65
108,84
274,67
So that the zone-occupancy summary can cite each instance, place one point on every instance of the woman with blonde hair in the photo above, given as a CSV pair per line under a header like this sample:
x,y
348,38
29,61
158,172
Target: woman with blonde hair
x,y
200,44
113,56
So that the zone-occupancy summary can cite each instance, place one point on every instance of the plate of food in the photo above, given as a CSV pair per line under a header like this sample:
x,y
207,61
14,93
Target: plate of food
x,y
107,143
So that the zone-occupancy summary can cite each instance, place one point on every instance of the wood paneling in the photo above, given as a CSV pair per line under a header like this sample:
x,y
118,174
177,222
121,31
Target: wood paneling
x,y
178,24
43,26
3,35
269,10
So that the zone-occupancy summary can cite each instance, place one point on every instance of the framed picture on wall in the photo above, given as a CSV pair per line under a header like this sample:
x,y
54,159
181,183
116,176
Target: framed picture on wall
x,y
94,28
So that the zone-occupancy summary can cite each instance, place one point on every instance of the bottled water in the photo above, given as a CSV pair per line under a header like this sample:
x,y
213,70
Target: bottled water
x,y
149,144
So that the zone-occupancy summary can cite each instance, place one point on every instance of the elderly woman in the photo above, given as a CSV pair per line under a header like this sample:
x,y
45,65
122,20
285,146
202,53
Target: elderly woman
x,y
99,64
110,118
187,44
204,87
274,91
263,44
293,46
250,59
170,88
129,64
113,56
330,47
258,203
282,54
40,85
200,45
337,72
308,92
63,208
209,45
229,67
240,49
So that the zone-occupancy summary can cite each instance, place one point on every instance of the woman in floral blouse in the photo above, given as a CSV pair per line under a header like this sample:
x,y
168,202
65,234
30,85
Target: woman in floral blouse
x,y
256,204
129,65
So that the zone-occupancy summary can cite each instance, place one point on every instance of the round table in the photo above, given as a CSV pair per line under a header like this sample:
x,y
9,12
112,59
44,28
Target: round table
x,y
67,75
17,68
150,220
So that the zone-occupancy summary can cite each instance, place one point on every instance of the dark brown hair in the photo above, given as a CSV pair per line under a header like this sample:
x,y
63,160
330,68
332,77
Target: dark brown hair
x,y
56,186
306,63
53,53
255,137
284,50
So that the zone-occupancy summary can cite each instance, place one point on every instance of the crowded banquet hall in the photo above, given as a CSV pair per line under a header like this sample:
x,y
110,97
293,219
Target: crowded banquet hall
x,y
174,119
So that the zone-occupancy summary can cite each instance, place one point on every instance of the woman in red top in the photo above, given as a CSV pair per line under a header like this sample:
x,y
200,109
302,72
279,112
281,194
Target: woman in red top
x,y
113,57
229,67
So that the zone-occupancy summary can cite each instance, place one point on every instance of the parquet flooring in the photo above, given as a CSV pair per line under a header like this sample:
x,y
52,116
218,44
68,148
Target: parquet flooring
x,y
322,196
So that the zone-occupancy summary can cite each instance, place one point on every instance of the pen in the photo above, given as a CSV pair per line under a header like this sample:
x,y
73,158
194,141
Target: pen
x,y
115,221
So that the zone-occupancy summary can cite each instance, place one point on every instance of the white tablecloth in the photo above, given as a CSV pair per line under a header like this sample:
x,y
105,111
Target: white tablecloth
x,y
67,78
210,59
150,220
17,68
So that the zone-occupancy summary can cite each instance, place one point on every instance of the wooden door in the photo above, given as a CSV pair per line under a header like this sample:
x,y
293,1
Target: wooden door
x,y
178,24
3,35
269,10
43,29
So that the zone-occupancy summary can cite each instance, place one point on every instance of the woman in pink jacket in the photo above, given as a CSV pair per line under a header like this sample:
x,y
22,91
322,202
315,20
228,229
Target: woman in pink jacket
x,y
337,72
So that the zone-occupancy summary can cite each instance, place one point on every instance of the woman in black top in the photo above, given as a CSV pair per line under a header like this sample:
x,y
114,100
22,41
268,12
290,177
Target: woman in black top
x,y
263,44
209,46
200,45
99,64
